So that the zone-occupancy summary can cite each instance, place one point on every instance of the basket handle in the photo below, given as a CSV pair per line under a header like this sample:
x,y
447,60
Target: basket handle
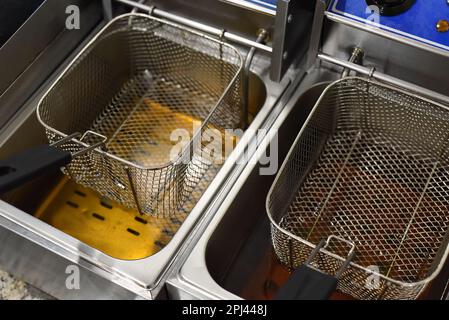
x,y
309,283
34,162
30,164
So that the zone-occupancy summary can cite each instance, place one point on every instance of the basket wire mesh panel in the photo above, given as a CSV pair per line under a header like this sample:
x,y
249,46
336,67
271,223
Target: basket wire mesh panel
x,y
135,84
371,166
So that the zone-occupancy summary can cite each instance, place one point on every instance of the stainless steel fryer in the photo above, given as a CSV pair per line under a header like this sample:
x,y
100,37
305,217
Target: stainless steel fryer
x,y
53,241
196,257
134,84
370,167
243,266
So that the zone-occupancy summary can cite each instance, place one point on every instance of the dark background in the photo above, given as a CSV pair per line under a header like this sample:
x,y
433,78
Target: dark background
x,y
13,13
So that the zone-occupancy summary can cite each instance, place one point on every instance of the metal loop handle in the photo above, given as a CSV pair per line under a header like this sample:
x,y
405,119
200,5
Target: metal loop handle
x,y
324,244
66,139
92,147
73,136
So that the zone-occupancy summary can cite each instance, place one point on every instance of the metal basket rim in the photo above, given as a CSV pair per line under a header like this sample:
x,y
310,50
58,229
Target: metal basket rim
x,y
203,123
444,257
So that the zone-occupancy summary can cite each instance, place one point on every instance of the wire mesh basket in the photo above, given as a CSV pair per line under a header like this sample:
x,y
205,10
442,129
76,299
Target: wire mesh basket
x,y
371,166
138,82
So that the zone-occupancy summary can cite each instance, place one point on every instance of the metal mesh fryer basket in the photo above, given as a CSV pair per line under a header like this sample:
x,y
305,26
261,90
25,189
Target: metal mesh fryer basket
x,y
371,166
138,81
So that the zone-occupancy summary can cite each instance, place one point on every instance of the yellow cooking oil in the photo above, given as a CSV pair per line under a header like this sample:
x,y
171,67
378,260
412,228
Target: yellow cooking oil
x,y
107,226
103,224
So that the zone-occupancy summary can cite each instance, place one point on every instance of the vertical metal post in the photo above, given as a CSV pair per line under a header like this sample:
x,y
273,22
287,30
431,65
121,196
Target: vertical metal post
x,y
261,37
292,34
133,190
317,28
356,57
107,9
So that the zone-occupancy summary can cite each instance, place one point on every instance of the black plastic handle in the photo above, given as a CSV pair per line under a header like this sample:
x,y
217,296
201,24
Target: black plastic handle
x,y
30,164
307,283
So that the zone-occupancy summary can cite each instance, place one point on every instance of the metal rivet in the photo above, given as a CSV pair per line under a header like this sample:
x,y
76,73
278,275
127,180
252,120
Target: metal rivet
x,y
290,18
285,55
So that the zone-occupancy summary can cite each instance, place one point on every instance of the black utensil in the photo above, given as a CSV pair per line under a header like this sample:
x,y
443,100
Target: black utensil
x,y
32,163
309,283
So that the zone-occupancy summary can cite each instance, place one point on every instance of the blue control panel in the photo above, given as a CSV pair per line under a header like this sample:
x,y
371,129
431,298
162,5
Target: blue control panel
x,y
418,23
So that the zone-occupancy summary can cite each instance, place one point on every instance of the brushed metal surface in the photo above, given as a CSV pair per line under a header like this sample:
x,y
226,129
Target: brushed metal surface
x,y
37,48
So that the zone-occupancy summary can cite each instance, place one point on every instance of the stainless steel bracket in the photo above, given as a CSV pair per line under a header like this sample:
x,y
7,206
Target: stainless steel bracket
x,y
292,34
317,29
107,9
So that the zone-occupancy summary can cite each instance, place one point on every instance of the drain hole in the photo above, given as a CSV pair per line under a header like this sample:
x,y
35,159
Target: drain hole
x,y
159,244
80,193
72,204
134,232
98,216
139,219
105,204
168,232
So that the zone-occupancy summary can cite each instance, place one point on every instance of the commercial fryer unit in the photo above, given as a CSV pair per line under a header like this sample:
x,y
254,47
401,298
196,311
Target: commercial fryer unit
x,y
123,245
400,52
291,51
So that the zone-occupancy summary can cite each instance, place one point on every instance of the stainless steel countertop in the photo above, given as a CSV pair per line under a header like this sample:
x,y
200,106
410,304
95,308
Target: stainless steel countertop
x,y
14,289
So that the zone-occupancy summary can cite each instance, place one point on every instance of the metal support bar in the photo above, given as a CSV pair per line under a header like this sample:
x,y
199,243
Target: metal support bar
x,y
292,35
371,72
107,9
197,25
262,36
133,189
135,10
317,28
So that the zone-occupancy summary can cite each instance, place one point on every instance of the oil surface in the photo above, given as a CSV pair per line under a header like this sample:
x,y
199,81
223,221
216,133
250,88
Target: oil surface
x,y
105,225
